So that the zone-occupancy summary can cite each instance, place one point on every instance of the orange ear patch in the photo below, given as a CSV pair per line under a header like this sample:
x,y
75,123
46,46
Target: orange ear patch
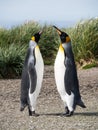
x,y
67,39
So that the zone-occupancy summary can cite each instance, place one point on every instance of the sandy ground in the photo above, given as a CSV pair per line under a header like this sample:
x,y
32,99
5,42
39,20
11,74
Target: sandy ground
x,y
49,105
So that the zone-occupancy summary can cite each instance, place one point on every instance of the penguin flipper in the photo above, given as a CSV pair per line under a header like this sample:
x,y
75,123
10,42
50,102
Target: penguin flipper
x,y
32,77
71,79
68,78
24,89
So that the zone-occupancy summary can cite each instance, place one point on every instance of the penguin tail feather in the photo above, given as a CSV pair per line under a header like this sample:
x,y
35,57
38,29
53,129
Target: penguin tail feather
x,y
81,104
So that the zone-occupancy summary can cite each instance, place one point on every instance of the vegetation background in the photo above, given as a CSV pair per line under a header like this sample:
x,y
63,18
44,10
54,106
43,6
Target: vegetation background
x,y
14,44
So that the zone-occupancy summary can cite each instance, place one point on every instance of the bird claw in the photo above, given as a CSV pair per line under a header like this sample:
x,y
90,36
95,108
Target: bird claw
x,y
32,113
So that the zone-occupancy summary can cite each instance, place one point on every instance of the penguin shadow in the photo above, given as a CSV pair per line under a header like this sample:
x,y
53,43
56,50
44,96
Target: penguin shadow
x,y
76,114
87,113
51,114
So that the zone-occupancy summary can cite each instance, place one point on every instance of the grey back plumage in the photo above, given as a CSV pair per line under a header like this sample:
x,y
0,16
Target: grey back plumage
x,y
28,73
71,79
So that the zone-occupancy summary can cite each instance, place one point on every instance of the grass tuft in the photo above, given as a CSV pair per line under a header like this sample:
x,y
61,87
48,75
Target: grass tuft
x,y
14,43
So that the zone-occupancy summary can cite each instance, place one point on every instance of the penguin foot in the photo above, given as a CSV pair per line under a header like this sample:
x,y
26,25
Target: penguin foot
x,y
67,110
22,108
32,113
69,114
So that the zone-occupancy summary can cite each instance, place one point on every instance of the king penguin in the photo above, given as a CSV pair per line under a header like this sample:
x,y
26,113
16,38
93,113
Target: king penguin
x,y
32,76
66,75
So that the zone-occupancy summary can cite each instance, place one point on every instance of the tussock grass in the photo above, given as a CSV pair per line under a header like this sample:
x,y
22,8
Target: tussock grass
x,y
85,40
14,43
11,60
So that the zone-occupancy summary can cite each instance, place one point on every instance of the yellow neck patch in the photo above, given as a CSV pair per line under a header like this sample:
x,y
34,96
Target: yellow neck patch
x,y
33,38
67,39
37,47
61,48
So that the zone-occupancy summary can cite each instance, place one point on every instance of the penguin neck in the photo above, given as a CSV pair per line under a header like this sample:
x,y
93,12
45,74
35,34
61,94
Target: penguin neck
x,y
61,49
68,50
32,44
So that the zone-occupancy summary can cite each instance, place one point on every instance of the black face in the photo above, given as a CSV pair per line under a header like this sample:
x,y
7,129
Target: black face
x,y
63,36
37,37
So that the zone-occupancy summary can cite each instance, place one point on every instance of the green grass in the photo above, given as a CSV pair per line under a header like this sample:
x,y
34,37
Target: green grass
x,y
49,44
11,60
14,43
91,65
85,40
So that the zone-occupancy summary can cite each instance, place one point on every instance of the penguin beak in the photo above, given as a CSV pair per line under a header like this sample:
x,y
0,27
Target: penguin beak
x,y
40,32
58,30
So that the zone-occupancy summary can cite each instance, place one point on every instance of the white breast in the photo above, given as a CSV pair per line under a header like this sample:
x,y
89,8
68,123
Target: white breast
x,y
39,67
59,69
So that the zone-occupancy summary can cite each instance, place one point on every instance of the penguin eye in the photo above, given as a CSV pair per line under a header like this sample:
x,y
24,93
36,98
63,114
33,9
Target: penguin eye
x,y
63,37
37,37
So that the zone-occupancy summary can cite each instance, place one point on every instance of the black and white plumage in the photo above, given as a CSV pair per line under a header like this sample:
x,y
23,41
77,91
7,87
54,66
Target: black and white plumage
x,y
32,76
66,75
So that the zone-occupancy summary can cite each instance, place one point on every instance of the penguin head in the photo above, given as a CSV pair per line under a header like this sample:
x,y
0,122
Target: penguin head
x,y
36,37
63,36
